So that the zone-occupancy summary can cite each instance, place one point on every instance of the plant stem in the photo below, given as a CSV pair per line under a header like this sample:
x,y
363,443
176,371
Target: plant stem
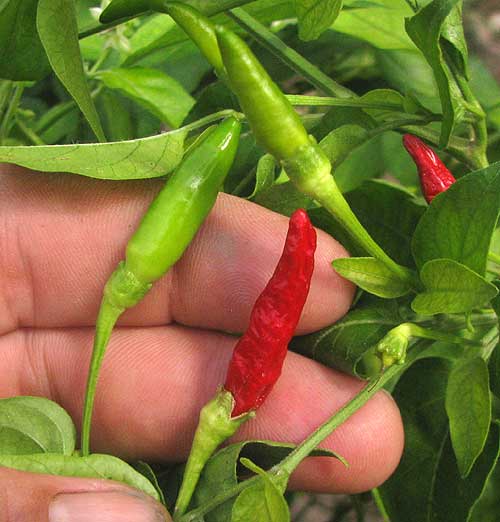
x,y
334,202
6,87
492,256
106,320
327,101
104,56
380,504
289,56
289,463
9,113
206,120
29,133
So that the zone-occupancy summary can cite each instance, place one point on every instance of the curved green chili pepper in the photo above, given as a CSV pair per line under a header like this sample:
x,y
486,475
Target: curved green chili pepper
x,y
165,231
278,128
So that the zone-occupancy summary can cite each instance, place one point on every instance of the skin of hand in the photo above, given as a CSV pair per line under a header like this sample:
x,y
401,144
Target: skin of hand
x,y
60,238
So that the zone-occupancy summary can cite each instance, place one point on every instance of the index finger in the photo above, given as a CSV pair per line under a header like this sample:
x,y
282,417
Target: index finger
x,y
65,234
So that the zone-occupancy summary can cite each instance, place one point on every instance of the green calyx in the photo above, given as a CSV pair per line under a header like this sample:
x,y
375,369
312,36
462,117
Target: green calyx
x,y
393,347
214,427
309,169
123,289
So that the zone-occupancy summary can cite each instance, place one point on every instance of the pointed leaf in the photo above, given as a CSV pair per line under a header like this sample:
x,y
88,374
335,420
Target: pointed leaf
x,y
316,16
261,502
451,288
371,275
468,406
135,159
156,91
58,30
425,30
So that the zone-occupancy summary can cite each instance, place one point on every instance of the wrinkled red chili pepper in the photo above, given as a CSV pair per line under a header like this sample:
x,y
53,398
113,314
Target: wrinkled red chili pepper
x,y
259,355
434,176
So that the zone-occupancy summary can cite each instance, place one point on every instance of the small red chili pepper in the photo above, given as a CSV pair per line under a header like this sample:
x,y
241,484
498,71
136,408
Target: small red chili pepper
x,y
434,176
259,355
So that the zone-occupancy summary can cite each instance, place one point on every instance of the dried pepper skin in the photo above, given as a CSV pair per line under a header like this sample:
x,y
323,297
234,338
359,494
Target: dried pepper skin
x,y
259,355
434,176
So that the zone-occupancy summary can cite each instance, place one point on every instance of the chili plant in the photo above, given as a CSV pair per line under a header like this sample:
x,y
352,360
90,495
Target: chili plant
x,y
133,89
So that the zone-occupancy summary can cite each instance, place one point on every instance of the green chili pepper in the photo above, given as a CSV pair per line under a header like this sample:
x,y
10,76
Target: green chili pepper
x,y
278,128
200,29
165,231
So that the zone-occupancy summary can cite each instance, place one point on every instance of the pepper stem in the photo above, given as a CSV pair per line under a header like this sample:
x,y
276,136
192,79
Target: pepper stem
x,y
214,427
106,320
289,463
310,170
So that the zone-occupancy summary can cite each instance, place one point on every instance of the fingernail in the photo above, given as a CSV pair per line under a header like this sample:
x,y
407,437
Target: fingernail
x,y
108,506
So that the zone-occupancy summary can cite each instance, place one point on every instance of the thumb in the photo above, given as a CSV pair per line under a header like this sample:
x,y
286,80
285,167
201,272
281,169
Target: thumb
x,y
48,498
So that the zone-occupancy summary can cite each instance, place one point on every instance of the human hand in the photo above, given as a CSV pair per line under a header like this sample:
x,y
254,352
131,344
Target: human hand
x,y
62,236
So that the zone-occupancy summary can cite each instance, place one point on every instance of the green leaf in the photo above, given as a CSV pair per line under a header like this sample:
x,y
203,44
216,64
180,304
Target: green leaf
x,y
451,288
135,159
468,406
371,275
223,471
22,56
425,30
145,469
381,25
316,16
35,425
486,509
93,466
261,502
161,95
390,214
58,30
349,344
338,144
454,43
264,177
460,222
427,486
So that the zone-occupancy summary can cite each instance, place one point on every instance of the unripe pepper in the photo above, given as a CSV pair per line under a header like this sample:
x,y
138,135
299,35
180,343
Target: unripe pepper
x,y
259,354
279,129
167,228
434,176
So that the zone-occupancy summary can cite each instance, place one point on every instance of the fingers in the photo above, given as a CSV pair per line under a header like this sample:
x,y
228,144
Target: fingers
x,y
44,498
64,235
155,380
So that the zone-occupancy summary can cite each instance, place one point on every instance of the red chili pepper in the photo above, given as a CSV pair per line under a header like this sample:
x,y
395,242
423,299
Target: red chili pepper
x,y
434,176
259,355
